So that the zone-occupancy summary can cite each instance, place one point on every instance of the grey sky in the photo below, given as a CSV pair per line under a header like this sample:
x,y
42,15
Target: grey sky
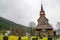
x,y
24,11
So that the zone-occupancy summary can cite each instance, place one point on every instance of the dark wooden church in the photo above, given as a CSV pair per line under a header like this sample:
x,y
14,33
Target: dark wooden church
x,y
44,29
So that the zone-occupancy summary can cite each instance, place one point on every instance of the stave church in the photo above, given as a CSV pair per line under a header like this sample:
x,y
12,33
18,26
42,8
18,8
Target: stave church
x,y
44,29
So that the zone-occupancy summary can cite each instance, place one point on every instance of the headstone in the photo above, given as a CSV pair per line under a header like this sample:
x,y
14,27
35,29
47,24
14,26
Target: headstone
x,y
34,38
49,38
19,38
5,38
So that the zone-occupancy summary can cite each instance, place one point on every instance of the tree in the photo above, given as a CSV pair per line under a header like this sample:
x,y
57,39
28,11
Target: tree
x,y
32,25
16,31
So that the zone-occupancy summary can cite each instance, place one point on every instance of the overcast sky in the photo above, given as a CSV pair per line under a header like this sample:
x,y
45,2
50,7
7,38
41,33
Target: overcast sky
x,y
24,11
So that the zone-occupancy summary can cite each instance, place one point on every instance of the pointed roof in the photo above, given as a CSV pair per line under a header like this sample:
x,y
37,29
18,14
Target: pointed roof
x,y
44,27
44,20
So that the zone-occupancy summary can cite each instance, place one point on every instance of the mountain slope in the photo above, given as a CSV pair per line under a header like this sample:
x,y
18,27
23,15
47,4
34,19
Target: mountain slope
x,y
6,24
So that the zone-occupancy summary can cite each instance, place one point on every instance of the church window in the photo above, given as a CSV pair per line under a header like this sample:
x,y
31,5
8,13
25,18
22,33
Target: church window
x,y
43,22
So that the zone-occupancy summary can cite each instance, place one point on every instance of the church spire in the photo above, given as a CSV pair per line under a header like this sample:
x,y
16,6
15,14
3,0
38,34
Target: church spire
x,y
42,12
41,7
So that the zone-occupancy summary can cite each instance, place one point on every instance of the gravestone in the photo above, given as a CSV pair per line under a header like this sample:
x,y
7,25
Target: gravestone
x,y
34,38
49,38
5,38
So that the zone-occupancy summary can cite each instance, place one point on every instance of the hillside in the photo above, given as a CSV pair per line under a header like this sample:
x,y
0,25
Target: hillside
x,y
6,24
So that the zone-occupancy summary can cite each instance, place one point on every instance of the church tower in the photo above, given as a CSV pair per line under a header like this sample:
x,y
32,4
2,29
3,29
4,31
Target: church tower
x,y
43,29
